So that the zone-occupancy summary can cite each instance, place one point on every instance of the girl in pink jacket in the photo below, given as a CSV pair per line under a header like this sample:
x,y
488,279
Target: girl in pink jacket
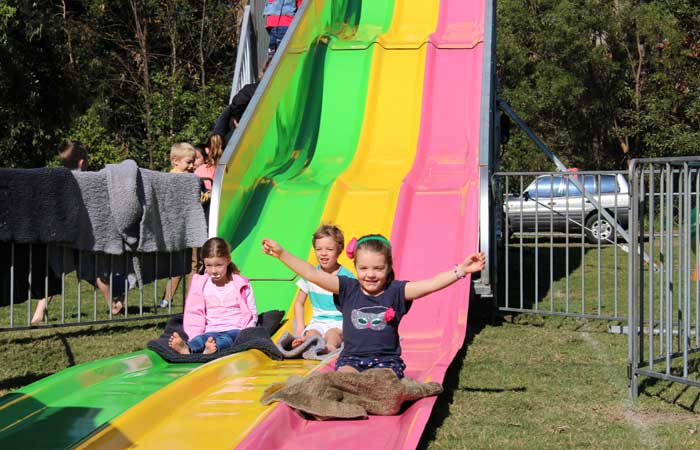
x,y
220,303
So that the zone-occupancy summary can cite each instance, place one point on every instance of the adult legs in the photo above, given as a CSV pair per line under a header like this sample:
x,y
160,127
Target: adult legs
x,y
116,304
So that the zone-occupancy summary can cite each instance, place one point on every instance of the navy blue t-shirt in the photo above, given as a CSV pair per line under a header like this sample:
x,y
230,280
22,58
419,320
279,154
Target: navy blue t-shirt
x,y
365,330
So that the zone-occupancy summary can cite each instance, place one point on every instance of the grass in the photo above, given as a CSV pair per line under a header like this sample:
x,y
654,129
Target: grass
x,y
28,356
577,279
553,274
534,383
527,381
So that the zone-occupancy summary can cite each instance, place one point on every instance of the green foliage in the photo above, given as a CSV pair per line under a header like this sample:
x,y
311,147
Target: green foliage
x,y
37,94
128,78
90,130
600,82
182,115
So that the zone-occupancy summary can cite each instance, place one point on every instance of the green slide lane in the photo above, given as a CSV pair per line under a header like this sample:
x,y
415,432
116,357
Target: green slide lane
x,y
310,139
302,135
62,409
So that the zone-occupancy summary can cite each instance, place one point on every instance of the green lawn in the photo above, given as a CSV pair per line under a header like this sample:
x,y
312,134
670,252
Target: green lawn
x,y
525,382
583,279
534,383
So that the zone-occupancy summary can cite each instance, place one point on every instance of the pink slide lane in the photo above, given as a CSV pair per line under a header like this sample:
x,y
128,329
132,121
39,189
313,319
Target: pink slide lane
x,y
435,227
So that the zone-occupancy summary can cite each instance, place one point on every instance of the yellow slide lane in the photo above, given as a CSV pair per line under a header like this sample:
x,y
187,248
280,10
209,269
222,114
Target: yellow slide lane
x,y
363,199
216,405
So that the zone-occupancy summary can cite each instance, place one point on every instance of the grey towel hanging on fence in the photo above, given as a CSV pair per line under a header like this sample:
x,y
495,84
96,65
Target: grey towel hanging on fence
x,y
38,206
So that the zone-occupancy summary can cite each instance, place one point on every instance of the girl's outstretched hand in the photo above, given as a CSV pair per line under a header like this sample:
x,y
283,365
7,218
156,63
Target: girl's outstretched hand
x,y
272,248
473,263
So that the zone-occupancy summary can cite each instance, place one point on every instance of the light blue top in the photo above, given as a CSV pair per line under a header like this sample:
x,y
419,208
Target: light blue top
x,y
321,299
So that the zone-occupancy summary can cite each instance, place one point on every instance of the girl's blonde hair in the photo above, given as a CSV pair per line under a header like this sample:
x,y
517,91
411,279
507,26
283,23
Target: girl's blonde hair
x,y
216,248
216,149
332,231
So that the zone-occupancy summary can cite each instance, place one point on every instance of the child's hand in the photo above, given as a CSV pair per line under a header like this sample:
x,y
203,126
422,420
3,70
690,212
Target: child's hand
x,y
473,263
272,248
298,341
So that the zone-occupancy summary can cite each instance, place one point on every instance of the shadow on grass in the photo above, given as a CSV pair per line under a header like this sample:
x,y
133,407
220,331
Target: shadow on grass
x,y
69,351
492,390
684,396
89,330
534,270
481,313
13,383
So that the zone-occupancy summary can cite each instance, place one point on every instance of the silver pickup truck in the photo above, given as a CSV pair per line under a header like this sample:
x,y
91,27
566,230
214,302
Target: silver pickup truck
x,y
552,201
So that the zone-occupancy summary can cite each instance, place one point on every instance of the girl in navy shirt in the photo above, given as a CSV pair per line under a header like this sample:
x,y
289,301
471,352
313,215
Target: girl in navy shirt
x,y
373,304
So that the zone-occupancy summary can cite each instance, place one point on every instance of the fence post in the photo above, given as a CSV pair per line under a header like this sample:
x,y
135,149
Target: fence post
x,y
632,284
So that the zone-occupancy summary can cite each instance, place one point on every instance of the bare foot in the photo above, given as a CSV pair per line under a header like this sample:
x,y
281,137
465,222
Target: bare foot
x,y
40,312
176,343
209,346
117,307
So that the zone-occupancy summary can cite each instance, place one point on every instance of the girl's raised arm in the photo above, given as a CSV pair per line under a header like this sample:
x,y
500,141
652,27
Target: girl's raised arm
x,y
302,268
417,289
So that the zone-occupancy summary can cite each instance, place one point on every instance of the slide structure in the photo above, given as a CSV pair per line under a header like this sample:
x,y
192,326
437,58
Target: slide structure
x,y
369,117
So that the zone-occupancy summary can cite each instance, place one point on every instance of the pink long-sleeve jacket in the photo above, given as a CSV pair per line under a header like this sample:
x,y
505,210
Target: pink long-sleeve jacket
x,y
194,317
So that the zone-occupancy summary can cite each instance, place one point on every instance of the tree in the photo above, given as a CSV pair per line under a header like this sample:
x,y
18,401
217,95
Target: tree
x,y
130,77
37,91
600,81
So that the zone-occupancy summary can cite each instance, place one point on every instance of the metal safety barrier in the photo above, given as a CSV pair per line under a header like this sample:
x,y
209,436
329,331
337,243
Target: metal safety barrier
x,y
51,285
664,291
559,253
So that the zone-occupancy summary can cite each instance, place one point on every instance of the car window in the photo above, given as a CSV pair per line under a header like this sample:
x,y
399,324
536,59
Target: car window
x,y
546,187
607,185
572,187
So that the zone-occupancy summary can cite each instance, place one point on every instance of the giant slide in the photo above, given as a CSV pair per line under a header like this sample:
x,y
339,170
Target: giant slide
x,y
370,118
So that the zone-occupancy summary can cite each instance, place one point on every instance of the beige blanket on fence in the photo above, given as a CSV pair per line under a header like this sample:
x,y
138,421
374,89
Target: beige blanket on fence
x,y
340,395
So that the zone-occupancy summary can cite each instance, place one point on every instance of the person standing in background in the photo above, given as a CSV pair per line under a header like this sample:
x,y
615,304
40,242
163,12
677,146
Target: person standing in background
x,y
278,16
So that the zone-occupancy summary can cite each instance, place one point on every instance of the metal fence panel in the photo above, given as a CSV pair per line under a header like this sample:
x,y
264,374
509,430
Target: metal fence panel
x,y
560,254
664,257
57,281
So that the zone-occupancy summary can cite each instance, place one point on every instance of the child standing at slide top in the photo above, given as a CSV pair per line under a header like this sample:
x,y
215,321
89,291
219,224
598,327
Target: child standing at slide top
x,y
182,156
219,305
374,303
328,242
214,150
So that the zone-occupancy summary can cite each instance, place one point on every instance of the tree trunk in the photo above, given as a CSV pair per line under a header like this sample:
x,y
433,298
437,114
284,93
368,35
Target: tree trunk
x,y
69,39
638,85
173,72
141,29
201,43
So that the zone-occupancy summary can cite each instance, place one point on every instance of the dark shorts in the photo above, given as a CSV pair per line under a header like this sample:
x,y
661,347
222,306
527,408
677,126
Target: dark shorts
x,y
394,363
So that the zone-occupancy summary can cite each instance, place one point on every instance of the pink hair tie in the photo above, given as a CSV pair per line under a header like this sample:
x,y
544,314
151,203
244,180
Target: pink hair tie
x,y
350,249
